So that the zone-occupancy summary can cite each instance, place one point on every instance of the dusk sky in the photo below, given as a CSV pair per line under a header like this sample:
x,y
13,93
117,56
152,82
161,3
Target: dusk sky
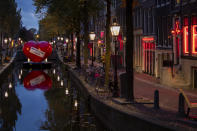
x,y
29,18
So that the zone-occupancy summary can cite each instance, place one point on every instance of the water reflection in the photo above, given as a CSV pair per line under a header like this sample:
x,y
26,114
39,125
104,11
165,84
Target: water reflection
x,y
37,80
56,106
10,105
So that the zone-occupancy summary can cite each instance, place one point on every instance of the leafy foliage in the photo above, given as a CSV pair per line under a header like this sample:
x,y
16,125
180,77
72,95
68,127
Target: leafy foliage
x,y
10,18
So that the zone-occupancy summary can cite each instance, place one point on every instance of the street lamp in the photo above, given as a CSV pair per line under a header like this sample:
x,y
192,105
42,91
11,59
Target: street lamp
x,y
5,40
67,40
10,39
62,38
92,36
115,29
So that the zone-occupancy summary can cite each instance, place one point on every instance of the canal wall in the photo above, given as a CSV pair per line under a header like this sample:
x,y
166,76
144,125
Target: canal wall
x,y
115,117
6,67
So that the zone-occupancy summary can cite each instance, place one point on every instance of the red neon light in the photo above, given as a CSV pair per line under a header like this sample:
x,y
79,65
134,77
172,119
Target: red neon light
x,y
176,30
173,32
102,34
185,39
148,39
194,39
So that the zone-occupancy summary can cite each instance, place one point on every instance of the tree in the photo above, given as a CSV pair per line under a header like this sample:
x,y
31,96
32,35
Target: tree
x,y
10,20
108,45
129,50
70,18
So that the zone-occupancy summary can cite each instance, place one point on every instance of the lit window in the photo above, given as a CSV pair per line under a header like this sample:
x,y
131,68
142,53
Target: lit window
x,y
185,36
194,34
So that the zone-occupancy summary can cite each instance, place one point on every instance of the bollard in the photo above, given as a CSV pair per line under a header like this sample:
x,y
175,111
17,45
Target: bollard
x,y
181,109
156,99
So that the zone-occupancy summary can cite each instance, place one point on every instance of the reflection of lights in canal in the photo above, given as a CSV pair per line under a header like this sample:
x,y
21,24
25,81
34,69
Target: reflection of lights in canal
x,y
76,103
10,85
58,78
66,91
62,83
19,76
6,94
53,96
54,71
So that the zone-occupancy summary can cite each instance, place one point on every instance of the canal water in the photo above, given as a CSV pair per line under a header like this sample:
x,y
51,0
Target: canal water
x,y
33,100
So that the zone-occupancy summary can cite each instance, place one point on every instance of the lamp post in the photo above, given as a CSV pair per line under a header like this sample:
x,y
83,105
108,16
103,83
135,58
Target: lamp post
x,y
115,29
67,40
6,42
92,36
10,46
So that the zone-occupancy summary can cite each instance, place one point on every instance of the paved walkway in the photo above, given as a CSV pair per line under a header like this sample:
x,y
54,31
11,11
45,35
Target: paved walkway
x,y
145,85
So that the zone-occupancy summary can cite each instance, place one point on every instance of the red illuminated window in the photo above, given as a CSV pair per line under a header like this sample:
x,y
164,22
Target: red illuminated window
x,y
194,35
185,36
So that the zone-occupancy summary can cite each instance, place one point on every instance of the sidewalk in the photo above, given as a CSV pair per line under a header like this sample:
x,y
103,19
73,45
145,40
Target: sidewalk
x,y
145,85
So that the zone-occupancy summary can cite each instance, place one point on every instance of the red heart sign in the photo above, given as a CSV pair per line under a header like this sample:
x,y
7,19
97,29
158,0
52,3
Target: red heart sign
x,y
37,52
37,80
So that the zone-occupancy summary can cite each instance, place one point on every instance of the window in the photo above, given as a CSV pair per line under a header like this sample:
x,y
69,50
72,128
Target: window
x,y
194,35
185,36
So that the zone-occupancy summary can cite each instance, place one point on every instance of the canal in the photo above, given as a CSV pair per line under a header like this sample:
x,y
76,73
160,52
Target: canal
x,y
32,100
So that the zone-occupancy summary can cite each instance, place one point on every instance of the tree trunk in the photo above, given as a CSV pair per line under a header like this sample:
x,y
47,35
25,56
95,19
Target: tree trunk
x,y
129,50
78,55
1,40
86,34
108,44
72,46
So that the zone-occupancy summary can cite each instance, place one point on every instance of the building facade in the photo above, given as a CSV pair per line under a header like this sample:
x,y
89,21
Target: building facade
x,y
165,38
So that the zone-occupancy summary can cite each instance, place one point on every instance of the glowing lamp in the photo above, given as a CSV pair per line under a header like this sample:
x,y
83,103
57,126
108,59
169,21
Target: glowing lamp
x,y
173,32
92,36
6,40
54,71
66,91
10,85
58,78
10,39
19,76
76,103
62,83
67,40
115,29
6,94
76,39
